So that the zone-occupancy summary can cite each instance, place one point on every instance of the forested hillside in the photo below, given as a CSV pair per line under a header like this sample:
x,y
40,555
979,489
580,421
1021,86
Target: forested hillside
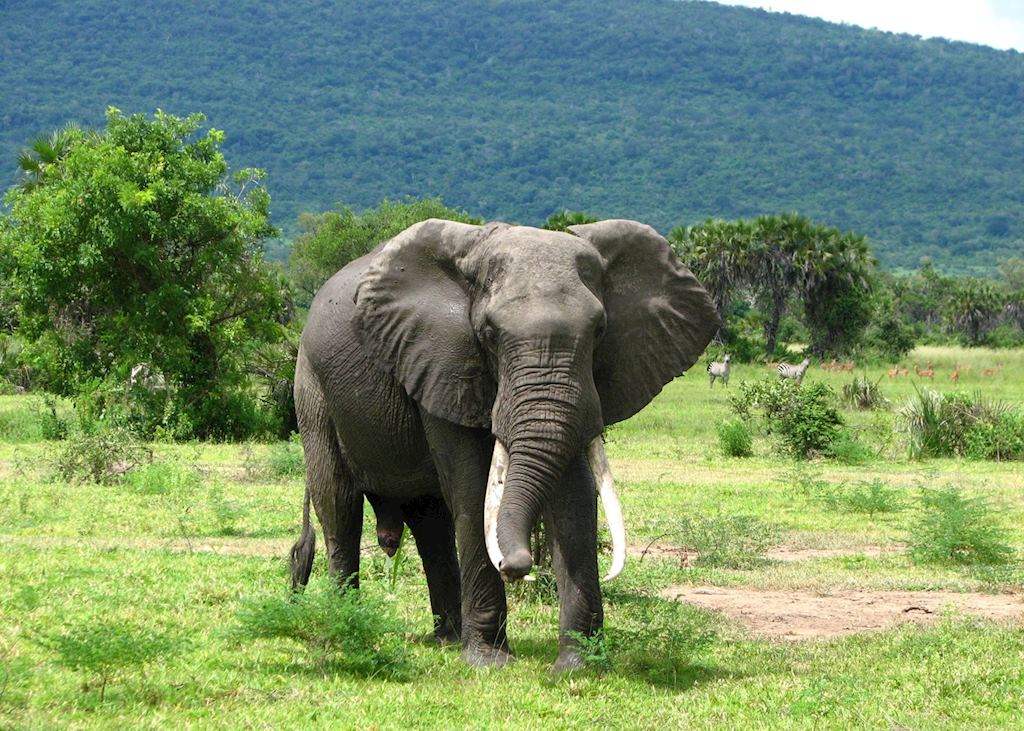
x,y
664,111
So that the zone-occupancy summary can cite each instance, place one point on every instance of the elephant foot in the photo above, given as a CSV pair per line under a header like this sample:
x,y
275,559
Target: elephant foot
x,y
446,636
568,660
487,657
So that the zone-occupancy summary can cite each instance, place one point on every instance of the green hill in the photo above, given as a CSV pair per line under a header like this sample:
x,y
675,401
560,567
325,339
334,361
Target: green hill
x,y
664,111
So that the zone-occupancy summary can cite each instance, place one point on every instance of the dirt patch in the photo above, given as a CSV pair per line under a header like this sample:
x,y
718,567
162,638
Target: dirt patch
x,y
801,615
661,549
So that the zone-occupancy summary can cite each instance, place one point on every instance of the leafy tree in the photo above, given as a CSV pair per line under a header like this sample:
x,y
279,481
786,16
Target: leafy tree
x,y
1012,270
131,246
328,241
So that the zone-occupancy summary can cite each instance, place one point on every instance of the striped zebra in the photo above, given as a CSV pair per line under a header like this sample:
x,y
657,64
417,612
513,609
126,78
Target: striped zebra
x,y
795,372
719,369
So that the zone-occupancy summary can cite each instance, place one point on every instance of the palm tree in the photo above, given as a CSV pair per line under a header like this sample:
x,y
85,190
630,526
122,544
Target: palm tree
x,y
45,152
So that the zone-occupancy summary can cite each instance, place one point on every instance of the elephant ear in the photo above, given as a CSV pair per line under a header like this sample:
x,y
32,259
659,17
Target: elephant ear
x,y
412,315
660,318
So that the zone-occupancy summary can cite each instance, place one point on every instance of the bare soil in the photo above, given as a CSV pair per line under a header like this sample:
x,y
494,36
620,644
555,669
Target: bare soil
x,y
801,615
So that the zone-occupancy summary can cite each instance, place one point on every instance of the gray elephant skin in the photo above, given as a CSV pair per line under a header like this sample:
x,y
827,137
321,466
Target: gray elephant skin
x,y
458,365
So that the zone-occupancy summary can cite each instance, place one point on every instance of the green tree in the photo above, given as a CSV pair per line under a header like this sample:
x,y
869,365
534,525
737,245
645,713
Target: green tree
x,y
328,241
133,245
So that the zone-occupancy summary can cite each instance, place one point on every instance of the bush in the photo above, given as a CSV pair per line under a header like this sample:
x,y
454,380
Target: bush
x,y
803,417
52,426
867,496
734,438
103,649
730,541
100,453
957,424
285,459
952,528
350,631
847,449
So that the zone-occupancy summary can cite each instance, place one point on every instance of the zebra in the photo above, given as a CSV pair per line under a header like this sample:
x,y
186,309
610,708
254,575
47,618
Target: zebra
x,y
719,369
795,372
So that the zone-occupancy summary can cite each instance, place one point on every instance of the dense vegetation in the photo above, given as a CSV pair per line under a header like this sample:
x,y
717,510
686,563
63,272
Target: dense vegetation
x,y
668,112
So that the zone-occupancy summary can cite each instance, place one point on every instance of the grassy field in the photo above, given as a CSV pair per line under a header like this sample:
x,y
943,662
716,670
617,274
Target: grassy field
x,y
176,550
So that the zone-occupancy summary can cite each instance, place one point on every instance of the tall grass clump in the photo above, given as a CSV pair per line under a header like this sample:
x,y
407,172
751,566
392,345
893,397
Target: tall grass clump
x,y
952,528
803,418
349,631
734,438
99,453
861,393
959,424
285,458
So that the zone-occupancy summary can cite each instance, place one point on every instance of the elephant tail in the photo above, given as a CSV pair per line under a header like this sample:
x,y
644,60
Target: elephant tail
x,y
303,550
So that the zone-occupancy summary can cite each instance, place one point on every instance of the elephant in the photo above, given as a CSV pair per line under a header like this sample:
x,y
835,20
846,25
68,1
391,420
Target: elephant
x,y
460,377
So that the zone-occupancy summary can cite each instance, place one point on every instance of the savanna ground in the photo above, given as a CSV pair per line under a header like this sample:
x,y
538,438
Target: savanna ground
x,y
179,550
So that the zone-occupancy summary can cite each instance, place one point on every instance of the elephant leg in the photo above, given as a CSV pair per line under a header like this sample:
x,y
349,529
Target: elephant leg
x,y
431,524
462,457
572,515
332,487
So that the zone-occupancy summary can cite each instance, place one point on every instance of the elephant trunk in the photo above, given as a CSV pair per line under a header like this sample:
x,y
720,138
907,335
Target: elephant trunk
x,y
547,411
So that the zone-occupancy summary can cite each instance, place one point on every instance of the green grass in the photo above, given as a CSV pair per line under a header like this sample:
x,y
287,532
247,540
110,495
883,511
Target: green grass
x,y
180,548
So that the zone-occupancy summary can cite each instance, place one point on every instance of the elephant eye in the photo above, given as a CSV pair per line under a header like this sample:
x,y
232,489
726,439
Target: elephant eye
x,y
487,335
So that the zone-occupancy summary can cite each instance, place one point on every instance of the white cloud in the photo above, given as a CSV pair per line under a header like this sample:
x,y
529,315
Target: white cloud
x,y
976,21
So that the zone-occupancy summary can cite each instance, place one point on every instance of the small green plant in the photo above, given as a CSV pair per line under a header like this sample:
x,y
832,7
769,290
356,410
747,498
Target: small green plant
x,y
285,458
863,394
728,541
103,649
593,650
952,528
100,454
803,418
349,631
225,512
734,438
650,636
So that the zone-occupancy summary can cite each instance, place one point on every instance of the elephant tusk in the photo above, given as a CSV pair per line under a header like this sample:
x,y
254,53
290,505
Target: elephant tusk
x,y
610,501
492,501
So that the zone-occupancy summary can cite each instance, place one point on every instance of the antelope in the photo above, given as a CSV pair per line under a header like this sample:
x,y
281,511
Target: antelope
x,y
991,372
904,371
955,375
928,372
830,365
848,366
893,372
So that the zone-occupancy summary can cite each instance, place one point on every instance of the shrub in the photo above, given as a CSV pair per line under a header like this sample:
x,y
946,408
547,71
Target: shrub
x,y
285,459
863,394
846,448
734,438
164,478
730,541
103,649
650,636
100,453
867,496
350,631
952,528
803,417
958,424
52,426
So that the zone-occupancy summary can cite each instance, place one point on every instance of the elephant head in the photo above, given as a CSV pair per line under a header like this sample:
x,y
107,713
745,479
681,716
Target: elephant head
x,y
543,337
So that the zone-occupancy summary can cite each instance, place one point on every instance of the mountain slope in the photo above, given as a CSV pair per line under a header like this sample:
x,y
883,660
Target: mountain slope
x,y
663,111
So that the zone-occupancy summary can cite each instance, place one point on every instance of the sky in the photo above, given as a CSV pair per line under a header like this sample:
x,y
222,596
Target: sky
x,y
996,23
